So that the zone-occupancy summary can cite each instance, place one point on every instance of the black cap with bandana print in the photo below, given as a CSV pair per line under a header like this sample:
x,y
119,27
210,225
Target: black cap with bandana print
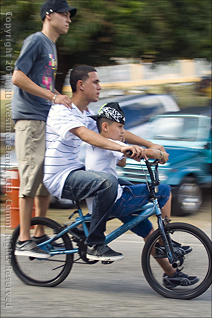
x,y
111,111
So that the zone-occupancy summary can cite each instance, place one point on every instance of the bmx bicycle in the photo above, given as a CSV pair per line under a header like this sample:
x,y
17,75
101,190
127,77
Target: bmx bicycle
x,y
66,241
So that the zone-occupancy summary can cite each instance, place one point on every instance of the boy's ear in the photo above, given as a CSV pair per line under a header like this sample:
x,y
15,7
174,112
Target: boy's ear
x,y
105,126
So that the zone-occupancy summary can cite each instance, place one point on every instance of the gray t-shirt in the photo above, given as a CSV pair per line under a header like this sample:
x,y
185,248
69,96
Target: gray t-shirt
x,y
38,60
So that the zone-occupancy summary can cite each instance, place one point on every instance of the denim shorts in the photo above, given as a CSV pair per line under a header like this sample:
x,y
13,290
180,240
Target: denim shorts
x,y
134,197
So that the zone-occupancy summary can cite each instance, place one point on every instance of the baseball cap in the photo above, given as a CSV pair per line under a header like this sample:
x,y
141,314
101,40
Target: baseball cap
x,y
56,6
111,111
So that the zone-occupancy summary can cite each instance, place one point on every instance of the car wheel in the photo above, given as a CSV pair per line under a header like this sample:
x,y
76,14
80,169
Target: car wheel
x,y
187,198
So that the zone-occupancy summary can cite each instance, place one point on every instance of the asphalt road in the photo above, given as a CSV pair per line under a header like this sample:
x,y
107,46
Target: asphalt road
x,y
115,290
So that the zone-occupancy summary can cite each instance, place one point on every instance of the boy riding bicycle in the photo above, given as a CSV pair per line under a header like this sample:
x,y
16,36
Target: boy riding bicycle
x,y
110,122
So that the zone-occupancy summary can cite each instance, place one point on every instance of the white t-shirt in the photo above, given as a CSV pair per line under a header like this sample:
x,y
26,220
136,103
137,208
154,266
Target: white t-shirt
x,y
62,147
103,160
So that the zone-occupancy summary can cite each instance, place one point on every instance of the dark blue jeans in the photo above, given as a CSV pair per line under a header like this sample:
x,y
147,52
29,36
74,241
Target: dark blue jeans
x,y
82,184
134,197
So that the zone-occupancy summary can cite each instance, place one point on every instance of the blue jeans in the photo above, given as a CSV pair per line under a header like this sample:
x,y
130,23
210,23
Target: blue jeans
x,y
82,184
133,197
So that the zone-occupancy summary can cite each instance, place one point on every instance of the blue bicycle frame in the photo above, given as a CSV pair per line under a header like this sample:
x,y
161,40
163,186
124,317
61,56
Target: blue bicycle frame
x,y
139,215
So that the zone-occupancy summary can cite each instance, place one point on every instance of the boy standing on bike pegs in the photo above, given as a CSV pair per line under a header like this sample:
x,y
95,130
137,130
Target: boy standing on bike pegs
x,y
34,93
110,122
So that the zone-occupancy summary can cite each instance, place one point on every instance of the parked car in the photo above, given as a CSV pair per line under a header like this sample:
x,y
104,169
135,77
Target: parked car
x,y
186,136
9,162
139,108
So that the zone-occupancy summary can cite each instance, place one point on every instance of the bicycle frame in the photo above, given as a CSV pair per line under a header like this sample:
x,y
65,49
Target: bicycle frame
x,y
145,212
139,215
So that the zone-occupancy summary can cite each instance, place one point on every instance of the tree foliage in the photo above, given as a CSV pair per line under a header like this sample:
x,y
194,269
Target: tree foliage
x,y
104,30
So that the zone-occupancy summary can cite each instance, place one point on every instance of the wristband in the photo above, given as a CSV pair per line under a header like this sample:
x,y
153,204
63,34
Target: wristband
x,y
53,99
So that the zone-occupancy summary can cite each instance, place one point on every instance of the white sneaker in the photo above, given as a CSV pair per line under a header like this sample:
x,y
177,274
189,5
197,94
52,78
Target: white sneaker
x,y
30,248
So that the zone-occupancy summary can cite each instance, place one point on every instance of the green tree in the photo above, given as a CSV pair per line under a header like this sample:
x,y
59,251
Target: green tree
x,y
102,30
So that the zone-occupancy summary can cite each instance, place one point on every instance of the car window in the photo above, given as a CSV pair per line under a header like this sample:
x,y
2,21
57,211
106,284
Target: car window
x,y
175,128
140,112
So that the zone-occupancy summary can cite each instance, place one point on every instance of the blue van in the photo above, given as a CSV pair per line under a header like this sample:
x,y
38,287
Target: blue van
x,y
186,136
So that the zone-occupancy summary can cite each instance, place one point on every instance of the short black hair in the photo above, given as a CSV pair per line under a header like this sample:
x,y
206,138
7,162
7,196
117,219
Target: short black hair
x,y
80,73
102,120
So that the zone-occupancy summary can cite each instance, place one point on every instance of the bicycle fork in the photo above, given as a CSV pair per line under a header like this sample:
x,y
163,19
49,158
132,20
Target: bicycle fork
x,y
173,260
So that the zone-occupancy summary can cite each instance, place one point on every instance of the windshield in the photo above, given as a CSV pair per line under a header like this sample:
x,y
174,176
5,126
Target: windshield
x,y
140,112
174,128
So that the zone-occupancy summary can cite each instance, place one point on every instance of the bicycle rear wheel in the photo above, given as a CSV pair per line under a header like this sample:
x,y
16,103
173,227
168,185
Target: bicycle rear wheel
x,y
196,263
43,272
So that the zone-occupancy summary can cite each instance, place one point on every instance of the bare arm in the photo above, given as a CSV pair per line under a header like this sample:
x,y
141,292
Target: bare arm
x,y
154,153
122,162
97,140
133,139
25,83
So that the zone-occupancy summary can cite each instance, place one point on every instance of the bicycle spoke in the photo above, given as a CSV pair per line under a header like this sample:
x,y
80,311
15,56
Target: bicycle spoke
x,y
196,263
43,272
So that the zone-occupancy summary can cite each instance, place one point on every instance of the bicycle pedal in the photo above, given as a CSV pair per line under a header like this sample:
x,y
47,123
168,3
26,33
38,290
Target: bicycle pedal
x,y
107,262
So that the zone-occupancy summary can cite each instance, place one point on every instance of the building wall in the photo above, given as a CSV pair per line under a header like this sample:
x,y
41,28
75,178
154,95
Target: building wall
x,y
142,74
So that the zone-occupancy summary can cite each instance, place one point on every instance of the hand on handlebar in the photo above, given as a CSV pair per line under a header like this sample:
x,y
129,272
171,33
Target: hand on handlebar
x,y
164,158
133,152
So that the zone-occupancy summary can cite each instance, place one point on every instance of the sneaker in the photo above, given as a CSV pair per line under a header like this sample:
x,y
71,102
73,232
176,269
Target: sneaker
x,y
103,253
30,248
179,279
160,251
41,239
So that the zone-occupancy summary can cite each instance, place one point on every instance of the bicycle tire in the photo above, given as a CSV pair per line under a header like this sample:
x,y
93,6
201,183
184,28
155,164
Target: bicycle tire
x,y
42,272
196,263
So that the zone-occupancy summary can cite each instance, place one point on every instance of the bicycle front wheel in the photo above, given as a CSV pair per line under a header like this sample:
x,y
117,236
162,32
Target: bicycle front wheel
x,y
43,272
196,263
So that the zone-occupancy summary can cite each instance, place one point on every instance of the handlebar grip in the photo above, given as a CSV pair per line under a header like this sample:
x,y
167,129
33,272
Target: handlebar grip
x,y
129,153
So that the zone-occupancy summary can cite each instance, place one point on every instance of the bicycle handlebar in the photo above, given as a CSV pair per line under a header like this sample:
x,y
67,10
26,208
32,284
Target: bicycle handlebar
x,y
129,152
154,178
